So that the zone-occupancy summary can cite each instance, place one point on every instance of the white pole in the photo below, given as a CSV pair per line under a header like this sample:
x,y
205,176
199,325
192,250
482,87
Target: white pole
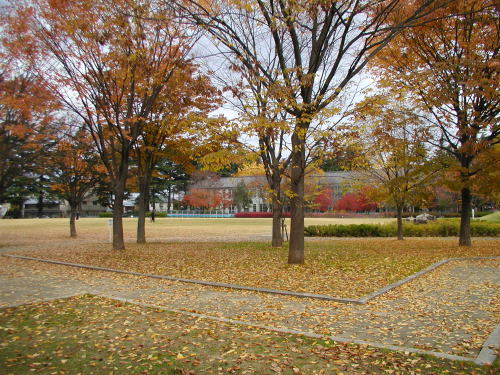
x,y
110,226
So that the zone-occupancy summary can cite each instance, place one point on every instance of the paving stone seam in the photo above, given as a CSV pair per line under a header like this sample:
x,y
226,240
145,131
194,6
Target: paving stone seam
x,y
432,267
486,356
340,339
269,328
359,301
191,281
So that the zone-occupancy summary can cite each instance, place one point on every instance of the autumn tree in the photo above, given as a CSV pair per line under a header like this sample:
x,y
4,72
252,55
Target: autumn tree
x,y
204,198
108,62
323,200
320,47
75,170
451,65
178,129
393,161
489,176
261,117
356,201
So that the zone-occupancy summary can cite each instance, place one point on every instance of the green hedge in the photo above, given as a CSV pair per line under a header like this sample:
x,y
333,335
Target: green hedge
x,y
157,214
440,228
105,214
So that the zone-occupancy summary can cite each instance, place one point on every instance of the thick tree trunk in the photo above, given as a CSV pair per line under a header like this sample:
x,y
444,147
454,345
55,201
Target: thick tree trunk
x,y
464,235
399,215
141,215
296,245
118,242
72,222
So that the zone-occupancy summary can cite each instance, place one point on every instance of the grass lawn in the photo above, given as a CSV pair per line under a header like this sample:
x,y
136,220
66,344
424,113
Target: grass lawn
x,y
26,231
492,218
92,335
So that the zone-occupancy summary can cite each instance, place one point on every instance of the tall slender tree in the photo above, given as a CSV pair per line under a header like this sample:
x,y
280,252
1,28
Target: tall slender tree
x,y
177,128
271,125
75,170
397,167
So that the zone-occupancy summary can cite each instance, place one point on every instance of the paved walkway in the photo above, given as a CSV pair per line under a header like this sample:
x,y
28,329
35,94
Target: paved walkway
x,y
451,310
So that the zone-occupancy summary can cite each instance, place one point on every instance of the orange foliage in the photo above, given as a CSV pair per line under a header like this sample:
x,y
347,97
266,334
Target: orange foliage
x,y
324,200
356,201
206,198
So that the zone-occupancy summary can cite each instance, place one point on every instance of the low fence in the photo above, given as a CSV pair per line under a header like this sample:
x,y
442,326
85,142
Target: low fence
x,y
200,214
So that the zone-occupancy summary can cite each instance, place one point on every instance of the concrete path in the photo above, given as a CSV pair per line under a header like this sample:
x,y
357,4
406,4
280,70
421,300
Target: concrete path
x,y
452,310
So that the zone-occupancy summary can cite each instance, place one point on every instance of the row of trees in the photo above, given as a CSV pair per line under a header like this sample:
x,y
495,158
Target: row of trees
x,y
124,69
294,60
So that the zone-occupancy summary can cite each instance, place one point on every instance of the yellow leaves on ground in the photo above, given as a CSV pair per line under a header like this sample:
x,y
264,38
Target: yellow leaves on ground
x,y
344,268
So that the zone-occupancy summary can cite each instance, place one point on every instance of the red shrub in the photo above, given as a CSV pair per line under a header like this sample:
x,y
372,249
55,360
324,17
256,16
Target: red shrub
x,y
354,202
324,200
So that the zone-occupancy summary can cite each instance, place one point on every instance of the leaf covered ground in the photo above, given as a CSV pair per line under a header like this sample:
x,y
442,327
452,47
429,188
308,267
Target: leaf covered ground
x,y
343,268
93,335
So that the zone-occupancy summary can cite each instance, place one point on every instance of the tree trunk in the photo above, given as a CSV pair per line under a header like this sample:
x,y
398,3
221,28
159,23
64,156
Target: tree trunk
x,y
72,222
141,220
39,203
277,239
118,242
277,208
169,197
147,200
464,236
141,215
296,245
399,215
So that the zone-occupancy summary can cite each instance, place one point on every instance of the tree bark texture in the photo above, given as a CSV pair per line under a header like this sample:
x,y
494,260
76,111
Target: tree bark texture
x,y
399,215
118,242
296,245
277,238
72,222
40,201
141,215
465,235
